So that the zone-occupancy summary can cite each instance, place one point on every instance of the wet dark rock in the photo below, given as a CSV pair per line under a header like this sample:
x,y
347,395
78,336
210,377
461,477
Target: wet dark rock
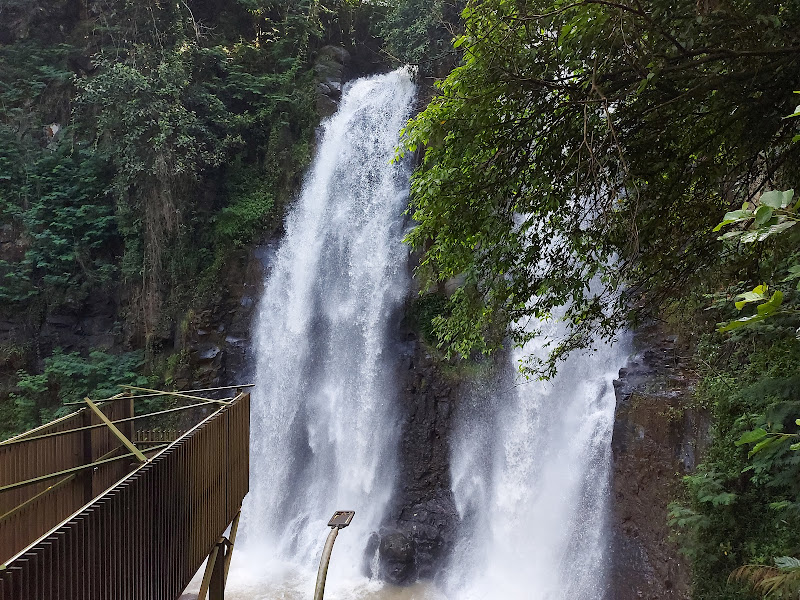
x,y
326,106
658,436
66,321
208,352
81,64
7,234
330,71
38,19
333,89
423,509
337,53
235,341
397,557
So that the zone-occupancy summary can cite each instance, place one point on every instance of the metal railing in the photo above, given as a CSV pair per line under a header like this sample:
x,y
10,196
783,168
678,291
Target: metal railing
x,y
26,512
148,533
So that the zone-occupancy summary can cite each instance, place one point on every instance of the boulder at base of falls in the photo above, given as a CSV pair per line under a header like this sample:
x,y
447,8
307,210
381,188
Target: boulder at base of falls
x,y
397,552
423,508
431,523
415,547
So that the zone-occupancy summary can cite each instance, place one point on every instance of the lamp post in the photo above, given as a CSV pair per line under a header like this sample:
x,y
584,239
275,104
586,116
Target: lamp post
x,y
339,520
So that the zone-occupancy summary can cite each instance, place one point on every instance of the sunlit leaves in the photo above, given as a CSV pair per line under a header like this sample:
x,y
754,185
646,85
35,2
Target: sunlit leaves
x,y
773,213
766,307
749,437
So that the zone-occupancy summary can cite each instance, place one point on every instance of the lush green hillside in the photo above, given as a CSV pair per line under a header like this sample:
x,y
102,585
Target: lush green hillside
x,y
144,148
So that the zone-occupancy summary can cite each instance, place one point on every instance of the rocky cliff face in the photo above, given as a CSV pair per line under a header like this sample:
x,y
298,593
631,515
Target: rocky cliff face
x,y
419,530
658,438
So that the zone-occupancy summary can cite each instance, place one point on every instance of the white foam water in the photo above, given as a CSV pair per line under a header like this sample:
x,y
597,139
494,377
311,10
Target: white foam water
x,y
530,467
324,427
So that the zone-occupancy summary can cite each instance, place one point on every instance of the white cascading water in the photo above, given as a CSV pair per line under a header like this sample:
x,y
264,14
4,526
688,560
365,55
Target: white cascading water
x,y
530,460
530,467
324,427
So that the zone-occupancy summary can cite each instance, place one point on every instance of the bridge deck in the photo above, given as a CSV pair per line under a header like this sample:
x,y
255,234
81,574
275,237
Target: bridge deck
x,y
144,535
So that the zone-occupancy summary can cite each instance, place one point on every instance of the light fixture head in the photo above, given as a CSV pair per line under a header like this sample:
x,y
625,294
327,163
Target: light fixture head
x,y
341,518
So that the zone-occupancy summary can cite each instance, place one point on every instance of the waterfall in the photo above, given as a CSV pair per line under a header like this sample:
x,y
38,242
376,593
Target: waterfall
x,y
324,429
530,460
530,471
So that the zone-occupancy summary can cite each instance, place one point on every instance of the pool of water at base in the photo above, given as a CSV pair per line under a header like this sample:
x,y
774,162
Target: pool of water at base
x,y
249,580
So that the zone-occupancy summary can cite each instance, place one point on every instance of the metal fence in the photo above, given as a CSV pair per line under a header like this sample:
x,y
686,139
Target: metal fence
x,y
146,536
26,512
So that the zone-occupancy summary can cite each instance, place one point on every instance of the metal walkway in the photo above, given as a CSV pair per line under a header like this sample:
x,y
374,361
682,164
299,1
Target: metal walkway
x,y
94,508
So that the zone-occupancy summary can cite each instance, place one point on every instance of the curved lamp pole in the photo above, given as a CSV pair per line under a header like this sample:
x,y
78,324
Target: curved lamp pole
x,y
339,520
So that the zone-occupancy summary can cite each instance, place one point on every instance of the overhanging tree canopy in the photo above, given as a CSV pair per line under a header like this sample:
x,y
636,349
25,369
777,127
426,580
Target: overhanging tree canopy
x,y
584,150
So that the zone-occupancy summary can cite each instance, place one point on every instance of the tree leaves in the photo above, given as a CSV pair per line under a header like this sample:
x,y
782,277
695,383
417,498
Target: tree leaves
x,y
776,199
749,437
758,294
573,138
767,307
770,215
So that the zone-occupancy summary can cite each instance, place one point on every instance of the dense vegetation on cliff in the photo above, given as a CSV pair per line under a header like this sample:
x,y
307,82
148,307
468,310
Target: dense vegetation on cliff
x,y
143,147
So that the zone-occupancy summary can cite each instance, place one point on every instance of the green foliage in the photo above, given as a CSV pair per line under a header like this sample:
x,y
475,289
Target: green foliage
x,y
171,115
70,377
33,78
743,502
167,129
587,149
164,123
177,148
251,204
768,305
52,187
175,362
420,32
423,312
69,225
772,214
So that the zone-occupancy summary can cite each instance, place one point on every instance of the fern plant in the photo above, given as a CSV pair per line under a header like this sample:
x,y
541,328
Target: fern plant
x,y
780,581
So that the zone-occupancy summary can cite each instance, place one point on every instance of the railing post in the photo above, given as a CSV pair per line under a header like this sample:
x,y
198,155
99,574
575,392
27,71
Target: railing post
x,y
339,520
216,571
88,457
232,541
130,428
216,591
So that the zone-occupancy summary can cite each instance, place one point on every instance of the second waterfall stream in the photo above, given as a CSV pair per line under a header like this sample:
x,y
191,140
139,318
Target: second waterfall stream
x,y
529,465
